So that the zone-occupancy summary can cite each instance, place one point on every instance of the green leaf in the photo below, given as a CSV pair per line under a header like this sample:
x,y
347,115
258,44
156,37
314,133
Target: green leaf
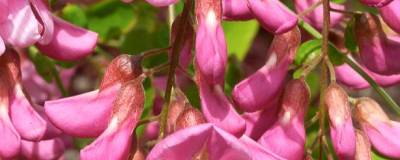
x,y
378,157
306,49
349,37
43,65
335,56
74,14
239,36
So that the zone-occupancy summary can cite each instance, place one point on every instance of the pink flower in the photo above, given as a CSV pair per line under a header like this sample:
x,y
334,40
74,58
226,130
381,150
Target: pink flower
x,y
350,78
376,3
363,146
28,22
378,52
217,109
315,18
273,16
381,131
250,94
207,140
341,126
211,53
88,114
390,14
286,137
236,10
43,150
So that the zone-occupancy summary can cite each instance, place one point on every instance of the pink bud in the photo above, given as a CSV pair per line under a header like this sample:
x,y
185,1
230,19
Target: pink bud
x,y
250,94
376,3
341,126
377,52
211,53
390,14
69,42
236,10
152,130
115,141
217,109
273,16
315,18
381,131
289,130
158,3
363,146
44,150
350,78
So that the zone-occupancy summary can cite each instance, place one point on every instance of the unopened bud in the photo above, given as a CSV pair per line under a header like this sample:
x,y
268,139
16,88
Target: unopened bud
x,y
189,117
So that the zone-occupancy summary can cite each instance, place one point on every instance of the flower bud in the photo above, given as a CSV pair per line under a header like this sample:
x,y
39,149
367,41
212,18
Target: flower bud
x,y
377,52
122,69
341,125
315,18
188,118
381,131
158,3
289,130
390,14
261,88
211,52
236,10
363,146
376,3
273,15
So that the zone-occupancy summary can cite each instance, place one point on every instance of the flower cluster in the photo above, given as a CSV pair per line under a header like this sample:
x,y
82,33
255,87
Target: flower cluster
x,y
263,118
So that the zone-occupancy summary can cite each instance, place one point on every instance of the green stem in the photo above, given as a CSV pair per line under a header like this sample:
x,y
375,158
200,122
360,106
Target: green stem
x,y
59,83
310,29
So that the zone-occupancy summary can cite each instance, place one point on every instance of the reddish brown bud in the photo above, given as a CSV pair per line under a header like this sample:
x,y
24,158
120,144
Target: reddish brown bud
x,y
10,65
122,69
189,117
363,146
368,110
296,98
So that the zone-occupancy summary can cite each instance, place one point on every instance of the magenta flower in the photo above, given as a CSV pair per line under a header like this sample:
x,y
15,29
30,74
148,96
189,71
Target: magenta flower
x,y
250,94
29,22
341,126
207,140
43,150
236,10
19,118
363,146
381,131
217,109
127,109
211,53
378,52
390,14
273,16
315,18
376,3
188,118
289,130
350,78
88,114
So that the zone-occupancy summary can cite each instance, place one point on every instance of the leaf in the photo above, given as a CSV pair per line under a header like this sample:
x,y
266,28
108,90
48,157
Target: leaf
x,y
306,49
335,56
74,14
43,65
349,37
239,36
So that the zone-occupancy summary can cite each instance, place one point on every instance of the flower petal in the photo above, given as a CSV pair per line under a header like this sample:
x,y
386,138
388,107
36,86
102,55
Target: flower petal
x,y
69,42
46,20
161,3
390,14
382,136
44,150
84,115
259,122
236,10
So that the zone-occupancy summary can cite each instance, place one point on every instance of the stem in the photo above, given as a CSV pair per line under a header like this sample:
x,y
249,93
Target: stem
x,y
392,104
309,9
176,48
59,83
153,52
310,29
324,70
147,120
344,11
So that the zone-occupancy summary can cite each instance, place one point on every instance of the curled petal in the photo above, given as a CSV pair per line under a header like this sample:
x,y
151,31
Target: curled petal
x,y
29,124
44,150
236,10
250,94
161,3
21,28
69,42
218,110
390,14
289,128
127,110
84,115
315,18
341,125
45,19
376,3
382,136
378,52
273,16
